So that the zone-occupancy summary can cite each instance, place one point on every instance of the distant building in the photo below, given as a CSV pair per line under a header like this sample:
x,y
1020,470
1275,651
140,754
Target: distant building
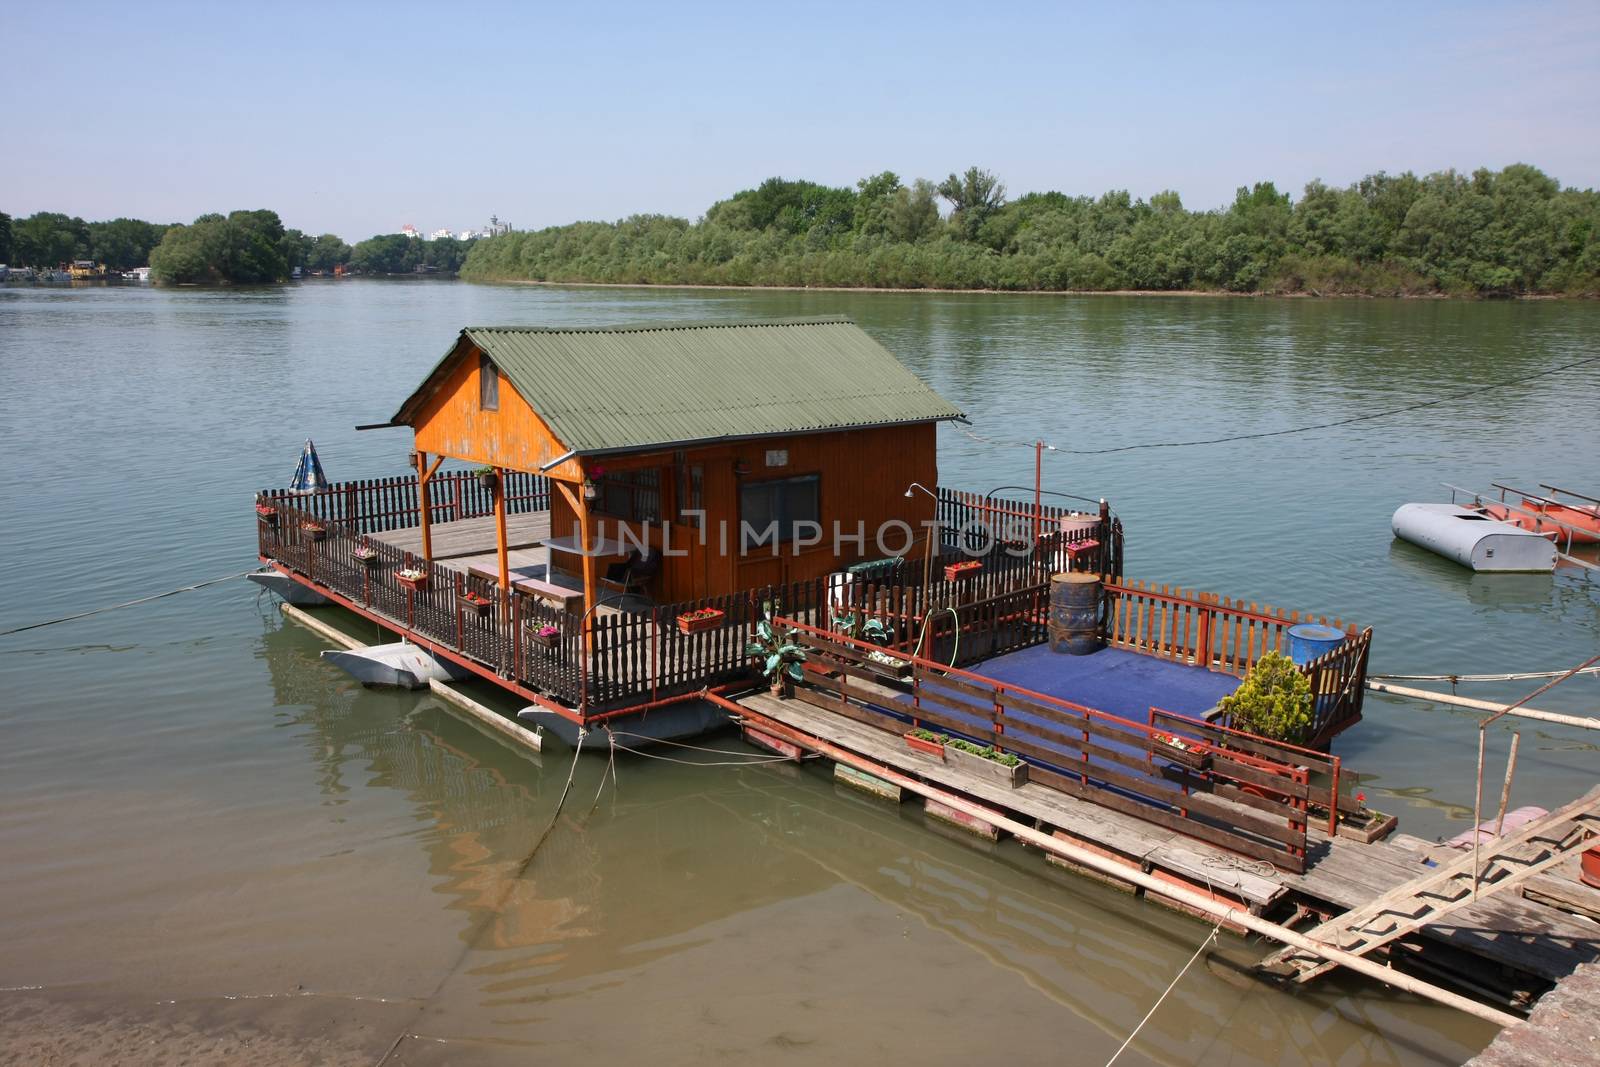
x,y
440,235
409,230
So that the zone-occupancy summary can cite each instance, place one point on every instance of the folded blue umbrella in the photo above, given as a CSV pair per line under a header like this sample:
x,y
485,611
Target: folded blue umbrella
x,y
308,477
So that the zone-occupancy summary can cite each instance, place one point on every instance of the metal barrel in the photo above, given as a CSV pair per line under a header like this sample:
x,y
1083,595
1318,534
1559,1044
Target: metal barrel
x,y
1075,601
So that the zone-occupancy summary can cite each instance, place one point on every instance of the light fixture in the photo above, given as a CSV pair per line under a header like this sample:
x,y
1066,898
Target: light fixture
x,y
589,491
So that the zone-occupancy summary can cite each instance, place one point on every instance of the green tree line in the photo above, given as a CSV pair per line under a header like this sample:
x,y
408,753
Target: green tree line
x,y
241,247
1510,232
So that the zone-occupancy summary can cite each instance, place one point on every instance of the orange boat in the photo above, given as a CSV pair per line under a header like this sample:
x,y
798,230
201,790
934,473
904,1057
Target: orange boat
x,y
1546,515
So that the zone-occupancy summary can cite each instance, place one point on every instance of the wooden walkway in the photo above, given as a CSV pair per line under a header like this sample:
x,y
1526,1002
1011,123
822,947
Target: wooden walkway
x,y
1515,931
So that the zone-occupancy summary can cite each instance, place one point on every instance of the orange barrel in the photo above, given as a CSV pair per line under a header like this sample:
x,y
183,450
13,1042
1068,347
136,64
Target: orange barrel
x,y
1075,601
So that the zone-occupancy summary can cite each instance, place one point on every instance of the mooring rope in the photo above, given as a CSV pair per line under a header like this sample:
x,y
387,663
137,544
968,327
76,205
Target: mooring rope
x,y
126,603
1210,938
1454,678
492,913
1291,430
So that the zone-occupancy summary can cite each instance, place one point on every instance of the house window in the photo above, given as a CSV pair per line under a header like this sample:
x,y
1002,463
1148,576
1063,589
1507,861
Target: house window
x,y
769,511
633,496
488,384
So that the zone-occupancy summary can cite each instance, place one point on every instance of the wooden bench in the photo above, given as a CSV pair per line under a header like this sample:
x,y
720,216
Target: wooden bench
x,y
560,596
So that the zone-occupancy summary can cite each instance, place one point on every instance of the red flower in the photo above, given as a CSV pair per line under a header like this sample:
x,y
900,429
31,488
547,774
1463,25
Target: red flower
x,y
1361,798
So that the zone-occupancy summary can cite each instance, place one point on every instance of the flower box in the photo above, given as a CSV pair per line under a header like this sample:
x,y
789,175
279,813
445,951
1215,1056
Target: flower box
x,y
925,747
887,664
1191,754
1367,826
478,605
316,530
267,514
695,622
984,767
545,637
412,579
965,569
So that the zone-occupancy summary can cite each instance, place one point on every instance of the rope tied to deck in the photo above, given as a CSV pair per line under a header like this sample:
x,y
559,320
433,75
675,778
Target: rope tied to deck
x,y
126,603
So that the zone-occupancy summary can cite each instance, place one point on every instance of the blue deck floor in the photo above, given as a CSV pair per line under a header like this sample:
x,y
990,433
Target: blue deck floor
x,y
1112,680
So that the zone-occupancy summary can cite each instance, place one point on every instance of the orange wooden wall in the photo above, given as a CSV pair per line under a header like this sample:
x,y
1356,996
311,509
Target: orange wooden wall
x,y
863,478
451,424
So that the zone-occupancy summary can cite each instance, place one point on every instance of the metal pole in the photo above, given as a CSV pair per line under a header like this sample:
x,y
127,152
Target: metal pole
x,y
1505,789
1038,490
1477,812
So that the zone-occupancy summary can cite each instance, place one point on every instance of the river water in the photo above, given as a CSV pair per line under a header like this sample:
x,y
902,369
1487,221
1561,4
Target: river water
x,y
210,841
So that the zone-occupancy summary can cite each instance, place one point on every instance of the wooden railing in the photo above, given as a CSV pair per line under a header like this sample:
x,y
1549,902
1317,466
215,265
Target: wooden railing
x,y
375,505
969,522
1218,633
329,553
1244,793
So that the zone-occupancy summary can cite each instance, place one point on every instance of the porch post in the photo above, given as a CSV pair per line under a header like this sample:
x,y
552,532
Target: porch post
x,y
589,603
423,505
500,534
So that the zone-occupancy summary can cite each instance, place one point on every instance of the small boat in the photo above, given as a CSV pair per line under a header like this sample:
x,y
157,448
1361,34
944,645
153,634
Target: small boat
x,y
1473,539
1577,519
400,664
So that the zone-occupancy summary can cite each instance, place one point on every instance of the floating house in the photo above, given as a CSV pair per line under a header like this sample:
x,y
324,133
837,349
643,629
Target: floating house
x,y
600,518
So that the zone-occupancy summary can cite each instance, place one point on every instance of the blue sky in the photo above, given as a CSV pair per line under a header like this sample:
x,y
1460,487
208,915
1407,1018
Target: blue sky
x,y
357,118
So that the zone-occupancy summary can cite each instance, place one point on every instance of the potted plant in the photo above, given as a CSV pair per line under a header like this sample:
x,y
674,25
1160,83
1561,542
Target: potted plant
x,y
1273,701
267,514
413,578
873,631
780,657
366,555
965,569
699,620
986,762
487,478
927,743
545,635
1196,755
476,603
317,530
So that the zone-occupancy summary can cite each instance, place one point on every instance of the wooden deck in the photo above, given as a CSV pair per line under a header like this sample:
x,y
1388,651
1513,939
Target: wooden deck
x,y
1512,931
471,542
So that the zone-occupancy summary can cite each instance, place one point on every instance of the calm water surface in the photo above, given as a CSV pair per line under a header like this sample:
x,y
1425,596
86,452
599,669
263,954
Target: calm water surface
x,y
201,823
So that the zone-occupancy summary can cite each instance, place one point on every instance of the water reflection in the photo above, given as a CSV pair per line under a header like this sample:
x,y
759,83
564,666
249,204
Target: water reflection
x,y
683,861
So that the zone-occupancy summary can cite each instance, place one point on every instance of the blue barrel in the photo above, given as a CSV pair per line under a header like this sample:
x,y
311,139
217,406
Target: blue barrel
x,y
1310,640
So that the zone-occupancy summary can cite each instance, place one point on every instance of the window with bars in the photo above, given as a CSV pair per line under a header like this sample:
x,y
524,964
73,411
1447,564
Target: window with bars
x,y
633,496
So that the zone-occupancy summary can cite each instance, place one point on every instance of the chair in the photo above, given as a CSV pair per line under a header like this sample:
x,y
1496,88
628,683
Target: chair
x,y
631,575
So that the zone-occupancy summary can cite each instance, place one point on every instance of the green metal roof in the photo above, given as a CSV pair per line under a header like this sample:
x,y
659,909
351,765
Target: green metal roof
x,y
624,388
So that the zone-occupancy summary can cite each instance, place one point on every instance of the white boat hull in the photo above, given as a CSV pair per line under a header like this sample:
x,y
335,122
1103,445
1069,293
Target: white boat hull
x,y
401,664
1473,539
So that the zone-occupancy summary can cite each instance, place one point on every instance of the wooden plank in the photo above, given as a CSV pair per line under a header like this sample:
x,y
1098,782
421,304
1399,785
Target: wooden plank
x,y
1125,834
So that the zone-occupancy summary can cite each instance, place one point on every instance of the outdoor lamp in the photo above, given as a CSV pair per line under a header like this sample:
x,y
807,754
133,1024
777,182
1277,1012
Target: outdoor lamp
x,y
589,491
